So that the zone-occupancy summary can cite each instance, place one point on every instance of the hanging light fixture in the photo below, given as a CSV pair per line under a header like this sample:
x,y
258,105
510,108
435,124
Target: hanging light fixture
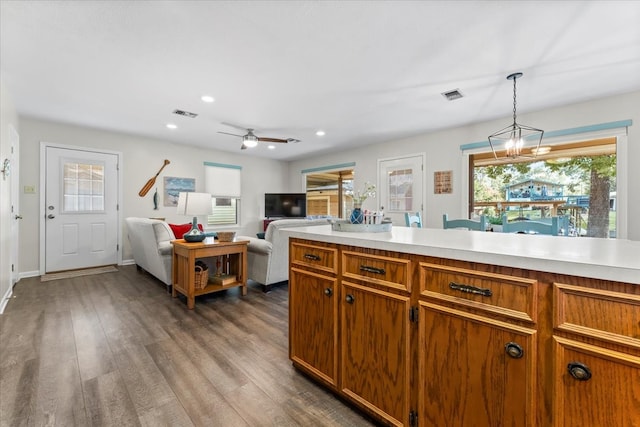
x,y
511,139
250,140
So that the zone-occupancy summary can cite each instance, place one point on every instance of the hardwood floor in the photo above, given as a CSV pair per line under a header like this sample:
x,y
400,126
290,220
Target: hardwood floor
x,y
115,349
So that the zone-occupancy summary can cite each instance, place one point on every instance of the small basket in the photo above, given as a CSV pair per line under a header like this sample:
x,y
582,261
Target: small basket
x,y
202,277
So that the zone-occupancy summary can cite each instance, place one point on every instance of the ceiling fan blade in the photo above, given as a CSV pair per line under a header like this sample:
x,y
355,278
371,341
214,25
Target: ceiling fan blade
x,y
227,133
242,128
262,139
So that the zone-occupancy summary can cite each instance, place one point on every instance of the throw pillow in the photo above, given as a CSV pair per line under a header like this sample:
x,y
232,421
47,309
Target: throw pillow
x,y
180,229
260,235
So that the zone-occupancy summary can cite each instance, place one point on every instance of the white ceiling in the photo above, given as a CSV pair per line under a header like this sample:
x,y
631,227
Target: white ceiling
x,y
363,71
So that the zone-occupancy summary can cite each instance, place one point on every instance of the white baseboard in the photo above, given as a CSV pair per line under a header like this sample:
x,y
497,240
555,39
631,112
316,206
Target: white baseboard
x,y
5,299
25,274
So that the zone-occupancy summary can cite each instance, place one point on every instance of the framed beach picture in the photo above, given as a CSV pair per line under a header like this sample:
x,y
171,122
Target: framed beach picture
x,y
173,186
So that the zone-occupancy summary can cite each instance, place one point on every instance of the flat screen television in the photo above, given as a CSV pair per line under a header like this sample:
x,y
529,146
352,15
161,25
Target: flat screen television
x,y
288,205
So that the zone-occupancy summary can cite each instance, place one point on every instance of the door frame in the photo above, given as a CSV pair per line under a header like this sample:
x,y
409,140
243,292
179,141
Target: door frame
x,y
42,210
14,177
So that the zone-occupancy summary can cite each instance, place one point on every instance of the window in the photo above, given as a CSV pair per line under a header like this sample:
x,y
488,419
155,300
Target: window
x,y
326,193
83,187
225,211
577,179
223,183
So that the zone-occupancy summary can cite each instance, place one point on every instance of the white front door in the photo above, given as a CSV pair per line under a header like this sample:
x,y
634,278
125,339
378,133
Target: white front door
x,y
401,186
81,209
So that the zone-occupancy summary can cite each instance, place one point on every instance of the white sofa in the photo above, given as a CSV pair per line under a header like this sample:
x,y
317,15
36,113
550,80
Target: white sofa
x,y
150,242
268,258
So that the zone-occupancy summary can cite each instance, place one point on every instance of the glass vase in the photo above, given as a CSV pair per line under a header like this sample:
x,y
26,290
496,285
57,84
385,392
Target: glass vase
x,y
356,214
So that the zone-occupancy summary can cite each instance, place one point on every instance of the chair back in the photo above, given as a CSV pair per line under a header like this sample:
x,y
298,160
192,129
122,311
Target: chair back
x,y
558,226
469,224
411,219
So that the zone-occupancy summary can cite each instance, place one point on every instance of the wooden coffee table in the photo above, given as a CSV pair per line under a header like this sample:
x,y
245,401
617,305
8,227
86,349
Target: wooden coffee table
x,y
234,262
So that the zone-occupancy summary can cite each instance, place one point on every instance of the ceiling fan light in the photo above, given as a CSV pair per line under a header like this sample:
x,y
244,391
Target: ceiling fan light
x,y
250,140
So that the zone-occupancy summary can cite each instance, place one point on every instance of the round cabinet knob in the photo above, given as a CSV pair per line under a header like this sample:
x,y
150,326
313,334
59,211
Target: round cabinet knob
x,y
51,216
514,350
349,299
579,371
328,292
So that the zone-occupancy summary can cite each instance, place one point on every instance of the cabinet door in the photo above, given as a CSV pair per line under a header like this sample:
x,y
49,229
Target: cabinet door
x,y
313,314
473,370
595,386
374,356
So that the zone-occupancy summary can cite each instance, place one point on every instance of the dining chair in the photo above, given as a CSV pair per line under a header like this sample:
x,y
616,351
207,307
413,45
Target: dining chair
x,y
469,224
411,219
559,225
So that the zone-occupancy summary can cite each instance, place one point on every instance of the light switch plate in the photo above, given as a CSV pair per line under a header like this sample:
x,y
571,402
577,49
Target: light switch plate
x,y
29,189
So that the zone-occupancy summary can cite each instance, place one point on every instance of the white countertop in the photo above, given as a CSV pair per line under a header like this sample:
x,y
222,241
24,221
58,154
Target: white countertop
x,y
608,259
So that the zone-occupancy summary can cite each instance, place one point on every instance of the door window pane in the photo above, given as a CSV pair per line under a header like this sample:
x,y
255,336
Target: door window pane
x,y
83,187
400,190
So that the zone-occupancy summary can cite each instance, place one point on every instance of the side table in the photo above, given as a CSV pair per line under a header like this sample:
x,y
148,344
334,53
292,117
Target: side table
x,y
184,266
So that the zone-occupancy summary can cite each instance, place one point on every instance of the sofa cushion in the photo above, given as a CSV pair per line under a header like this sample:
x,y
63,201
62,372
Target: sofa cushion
x,y
180,229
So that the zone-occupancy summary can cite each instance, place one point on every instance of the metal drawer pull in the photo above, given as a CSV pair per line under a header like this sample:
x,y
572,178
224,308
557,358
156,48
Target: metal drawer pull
x,y
470,289
579,371
514,350
372,269
328,292
312,257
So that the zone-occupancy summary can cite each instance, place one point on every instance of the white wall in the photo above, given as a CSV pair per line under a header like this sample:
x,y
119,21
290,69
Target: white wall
x,y
142,157
442,150
8,117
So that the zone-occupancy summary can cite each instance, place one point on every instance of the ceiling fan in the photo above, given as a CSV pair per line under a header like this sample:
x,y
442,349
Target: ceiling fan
x,y
250,140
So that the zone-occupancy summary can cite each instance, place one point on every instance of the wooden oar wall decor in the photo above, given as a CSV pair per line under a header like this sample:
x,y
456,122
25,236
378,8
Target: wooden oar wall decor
x,y
152,181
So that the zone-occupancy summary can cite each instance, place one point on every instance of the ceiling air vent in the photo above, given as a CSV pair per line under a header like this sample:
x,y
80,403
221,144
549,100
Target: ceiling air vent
x,y
185,113
452,95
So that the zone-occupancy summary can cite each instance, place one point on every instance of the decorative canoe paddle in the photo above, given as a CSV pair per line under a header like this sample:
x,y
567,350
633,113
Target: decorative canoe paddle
x,y
152,181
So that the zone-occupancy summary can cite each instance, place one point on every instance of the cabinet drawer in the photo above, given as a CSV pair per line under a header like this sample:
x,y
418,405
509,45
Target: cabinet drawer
x,y
597,313
509,296
380,270
319,257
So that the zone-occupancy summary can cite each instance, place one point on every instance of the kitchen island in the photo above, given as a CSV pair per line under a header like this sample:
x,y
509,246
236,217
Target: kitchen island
x,y
455,327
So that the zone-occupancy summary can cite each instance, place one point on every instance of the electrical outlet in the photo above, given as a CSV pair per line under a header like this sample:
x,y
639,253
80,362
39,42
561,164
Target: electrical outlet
x,y
29,189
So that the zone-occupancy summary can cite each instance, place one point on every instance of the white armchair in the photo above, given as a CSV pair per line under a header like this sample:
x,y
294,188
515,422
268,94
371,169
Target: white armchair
x,y
268,258
150,242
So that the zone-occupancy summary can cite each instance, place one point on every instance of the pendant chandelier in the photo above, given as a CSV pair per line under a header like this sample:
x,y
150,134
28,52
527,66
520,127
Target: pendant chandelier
x,y
510,141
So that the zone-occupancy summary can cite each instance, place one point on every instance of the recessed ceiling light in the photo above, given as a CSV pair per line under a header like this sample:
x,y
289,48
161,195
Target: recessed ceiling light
x,y
172,126
207,98
272,147
320,133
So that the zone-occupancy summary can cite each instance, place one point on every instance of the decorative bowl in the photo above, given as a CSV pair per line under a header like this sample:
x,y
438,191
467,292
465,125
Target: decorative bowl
x,y
226,236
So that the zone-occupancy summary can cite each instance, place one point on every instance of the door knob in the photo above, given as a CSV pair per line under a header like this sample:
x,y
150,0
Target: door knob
x,y
18,217
51,216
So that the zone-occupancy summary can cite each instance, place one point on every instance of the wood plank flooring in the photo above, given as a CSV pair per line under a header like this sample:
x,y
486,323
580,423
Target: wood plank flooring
x,y
115,349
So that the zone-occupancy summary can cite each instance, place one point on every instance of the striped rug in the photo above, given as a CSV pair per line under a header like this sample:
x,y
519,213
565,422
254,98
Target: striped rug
x,y
77,273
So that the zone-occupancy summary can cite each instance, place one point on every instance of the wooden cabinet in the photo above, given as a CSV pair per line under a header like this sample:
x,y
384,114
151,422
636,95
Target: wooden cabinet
x,y
596,346
375,365
474,370
417,340
313,311
477,366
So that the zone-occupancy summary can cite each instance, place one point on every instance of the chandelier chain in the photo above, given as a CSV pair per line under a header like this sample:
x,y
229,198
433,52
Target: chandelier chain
x,y
514,100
